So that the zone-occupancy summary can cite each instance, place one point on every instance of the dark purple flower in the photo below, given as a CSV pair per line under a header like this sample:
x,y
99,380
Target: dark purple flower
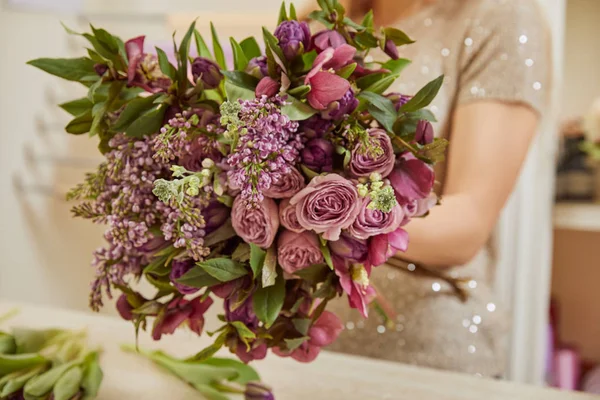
x,y
208,71
391,50
124,308
398,99
325,39
424,133
350,248
336,110
215,214
293,37
315,127
180,311
318,155
258,391
143,69
241,312
178,269
257,67
411,178
100,68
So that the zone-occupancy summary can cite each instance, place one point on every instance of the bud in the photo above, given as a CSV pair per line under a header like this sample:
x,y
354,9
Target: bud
x,y
336,110
124,308
207,71
349,248
293,37
257,67
424,132
100,68
258,391
267,87
318,155
398,99
391,50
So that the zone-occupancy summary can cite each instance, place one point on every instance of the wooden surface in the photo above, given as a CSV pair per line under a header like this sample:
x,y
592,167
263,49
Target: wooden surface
x,y
331,376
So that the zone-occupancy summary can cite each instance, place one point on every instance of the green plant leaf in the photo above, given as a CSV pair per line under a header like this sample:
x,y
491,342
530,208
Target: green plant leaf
x,y
326,254
309,173
162,283
314,274
241,79
293,344
273,44
42,384
293,12
243,333
297,110
241,253
67,385
209,351
352,24
282,14
267,302
183,52
32,340
72,69
347,70
245,372
257,259
165,65
149,122
197,277
222,233
397,36
396,66
321,16
92,376
19,380
80,124
219,55
382,85
250,47
269,270
239,57
132,111
223,269
235,92
366,40
381,108
299,91
434,152
367,21
77,107
424,96
201,46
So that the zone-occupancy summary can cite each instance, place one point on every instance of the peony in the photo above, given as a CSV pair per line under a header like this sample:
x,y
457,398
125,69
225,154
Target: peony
x,y
286,186
327,205
375,222
363,162
288,218
257,223
412,179
296,251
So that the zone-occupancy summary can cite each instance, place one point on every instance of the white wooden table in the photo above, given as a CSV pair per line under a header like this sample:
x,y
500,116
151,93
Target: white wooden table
x,y
331,376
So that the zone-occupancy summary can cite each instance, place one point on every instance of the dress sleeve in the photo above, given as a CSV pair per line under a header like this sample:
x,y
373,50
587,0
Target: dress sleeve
x,y
506,55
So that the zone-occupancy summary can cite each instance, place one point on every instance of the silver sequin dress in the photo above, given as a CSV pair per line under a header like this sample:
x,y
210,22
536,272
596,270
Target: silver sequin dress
x,y
487,49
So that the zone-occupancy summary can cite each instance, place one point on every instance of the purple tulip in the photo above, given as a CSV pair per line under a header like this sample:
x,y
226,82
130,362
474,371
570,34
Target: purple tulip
x,y
315,127
215,214
325,39
398,99
178,269
350,248
336,110
318,155
267,87
412,179
124,308
207,71
293,37
424,133
257,67
391,50
258,391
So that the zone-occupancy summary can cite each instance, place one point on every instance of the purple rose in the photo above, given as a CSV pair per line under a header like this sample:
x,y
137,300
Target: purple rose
x,y
336,110
207,71
391,50
364,162
325,39
293,37
215,214
286,185
398,99
296,251
257,67
178,269
257,223
412,179
327,205
315,127
267,87
375,222
288,218
350,248
317,155
424,132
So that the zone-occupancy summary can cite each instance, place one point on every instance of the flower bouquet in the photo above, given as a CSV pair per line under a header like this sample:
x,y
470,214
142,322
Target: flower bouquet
x,y
275,185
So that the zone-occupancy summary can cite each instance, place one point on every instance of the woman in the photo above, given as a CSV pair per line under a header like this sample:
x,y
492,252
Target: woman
x,y
495,58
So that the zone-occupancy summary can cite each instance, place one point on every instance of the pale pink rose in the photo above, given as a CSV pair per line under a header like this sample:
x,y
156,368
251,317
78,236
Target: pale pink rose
x,y
288,218
375,222
286,186
257,223
363,164
327,205
296,251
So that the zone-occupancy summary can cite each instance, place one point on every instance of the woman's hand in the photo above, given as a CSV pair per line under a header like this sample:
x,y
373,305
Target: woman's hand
x,y
488,144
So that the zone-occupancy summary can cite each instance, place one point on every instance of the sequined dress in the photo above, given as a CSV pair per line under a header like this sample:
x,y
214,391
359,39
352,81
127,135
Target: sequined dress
x,y
487,49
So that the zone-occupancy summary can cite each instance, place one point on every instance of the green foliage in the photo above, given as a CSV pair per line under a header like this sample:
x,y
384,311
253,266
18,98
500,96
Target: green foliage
x,y
198,277
268,302
381,108
223,269
424,96
201,46
72,69
240,61
148,122
218,50
241,79
257,259
250,47
297,110
77,107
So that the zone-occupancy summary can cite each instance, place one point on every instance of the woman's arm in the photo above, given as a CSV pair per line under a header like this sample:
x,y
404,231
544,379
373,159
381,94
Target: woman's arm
x,y
488,145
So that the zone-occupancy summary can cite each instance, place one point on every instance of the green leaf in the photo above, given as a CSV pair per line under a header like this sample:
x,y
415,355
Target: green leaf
x,y
42,384
7,344
293,344
32,340
17,382
250,47
161,283
201,46
197,277
223,269
347,70
396,66
242,253
165,66
241,79
205,354
149,122
77,107
381,108
367,21
299,91
352,24
381,85
297,110
282,14
183,52
309,173
243,333
397,36
72,69
302,325
434,152
92,376
293,12
321,16
106,39
269,270
219,55
132,111
314,274
424,96
257,259
267,302
235,92
366,40
13,362
245,372
239,58
80,124
326,254
272,42
67,385
222,233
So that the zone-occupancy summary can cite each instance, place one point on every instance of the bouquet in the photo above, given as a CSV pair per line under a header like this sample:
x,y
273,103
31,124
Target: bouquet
x,y
276,185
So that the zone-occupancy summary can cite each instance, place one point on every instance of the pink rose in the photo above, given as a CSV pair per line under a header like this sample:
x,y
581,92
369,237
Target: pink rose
x,y
363,163
286,186
327,205
296,251
375,222
256,224
288,218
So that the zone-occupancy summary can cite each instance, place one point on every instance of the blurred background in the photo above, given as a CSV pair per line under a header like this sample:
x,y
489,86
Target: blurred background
x,y
549,235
